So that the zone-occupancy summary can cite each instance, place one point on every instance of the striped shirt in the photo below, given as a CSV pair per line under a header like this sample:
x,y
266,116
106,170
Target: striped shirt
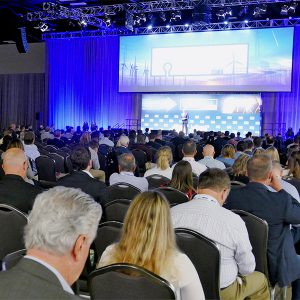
x,y
204,215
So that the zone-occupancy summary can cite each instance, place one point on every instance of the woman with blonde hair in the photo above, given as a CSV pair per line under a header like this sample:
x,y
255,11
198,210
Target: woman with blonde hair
x,y
294,164
148,241
163,162
273,153
85,139
227,155
239,169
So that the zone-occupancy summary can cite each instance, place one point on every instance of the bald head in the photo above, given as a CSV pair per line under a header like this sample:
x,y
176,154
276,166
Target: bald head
x,y
208,150
15,162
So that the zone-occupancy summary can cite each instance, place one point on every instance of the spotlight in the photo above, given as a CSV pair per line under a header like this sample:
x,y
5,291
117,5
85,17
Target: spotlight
x,y
186,25
284,10
82,22
107,21
225,22
259,10
292,7
246,21
221,14
168,26
149,27
139,19
162,15
42,27
175,16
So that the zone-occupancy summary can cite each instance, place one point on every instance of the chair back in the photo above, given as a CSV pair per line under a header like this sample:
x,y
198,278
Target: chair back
x,y
46,168
11,259
258,236
156,181
43,151
126,281
237,184
205,256
108,233
116,210
59,162
12,222
51,148
173,195
121,190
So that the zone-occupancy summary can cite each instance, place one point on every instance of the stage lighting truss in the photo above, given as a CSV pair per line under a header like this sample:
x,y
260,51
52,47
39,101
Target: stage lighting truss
x,y
178,28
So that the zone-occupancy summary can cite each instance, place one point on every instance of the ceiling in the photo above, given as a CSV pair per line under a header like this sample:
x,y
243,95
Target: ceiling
x,y
13,15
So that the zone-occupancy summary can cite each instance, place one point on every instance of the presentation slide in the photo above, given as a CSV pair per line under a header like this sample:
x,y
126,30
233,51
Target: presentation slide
x,y
216,112
256,60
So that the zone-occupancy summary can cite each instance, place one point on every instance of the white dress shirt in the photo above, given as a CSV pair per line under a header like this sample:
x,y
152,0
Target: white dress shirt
x,y
289,188
205,215
183,275
197,167
128,177
31,151
210,162
62,281
167,172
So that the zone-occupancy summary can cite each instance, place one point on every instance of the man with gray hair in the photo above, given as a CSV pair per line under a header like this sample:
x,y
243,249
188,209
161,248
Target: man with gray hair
x,y
127,167
279,210
62,225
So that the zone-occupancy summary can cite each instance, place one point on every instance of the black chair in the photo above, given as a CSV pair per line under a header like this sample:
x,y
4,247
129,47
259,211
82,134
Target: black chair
x,y
51,148
141,159
205,256
156,181
12,222
116,210
11,259
44,151
121,190
46,168
66,150
237,184
108,233
173,195
126,281
258,236
59,162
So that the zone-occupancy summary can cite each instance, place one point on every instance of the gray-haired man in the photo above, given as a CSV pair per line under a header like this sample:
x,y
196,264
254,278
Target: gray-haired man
x,y
62,225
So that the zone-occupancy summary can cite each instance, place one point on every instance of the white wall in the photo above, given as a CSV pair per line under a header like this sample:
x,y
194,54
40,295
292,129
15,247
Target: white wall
x,y
13,62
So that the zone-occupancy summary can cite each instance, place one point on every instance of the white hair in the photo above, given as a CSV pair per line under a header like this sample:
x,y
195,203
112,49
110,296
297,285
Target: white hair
x,y
58,217
123,141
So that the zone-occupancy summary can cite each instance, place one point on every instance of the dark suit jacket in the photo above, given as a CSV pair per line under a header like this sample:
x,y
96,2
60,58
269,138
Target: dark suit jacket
x,y
279,210
81,180
154,145
29,280
18,193
56,142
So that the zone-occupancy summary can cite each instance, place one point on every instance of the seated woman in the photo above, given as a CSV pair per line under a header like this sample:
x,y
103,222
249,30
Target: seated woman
x,y
182,178
163,162
153,246
273,153
294,164
239,169
227,155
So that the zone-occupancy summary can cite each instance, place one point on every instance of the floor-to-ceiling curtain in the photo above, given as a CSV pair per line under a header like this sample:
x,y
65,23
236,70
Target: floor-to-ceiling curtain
x,y
82,80
22,99
285,107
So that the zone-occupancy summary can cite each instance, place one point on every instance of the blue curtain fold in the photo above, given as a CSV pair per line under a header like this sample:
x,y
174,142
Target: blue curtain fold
x,y
82,76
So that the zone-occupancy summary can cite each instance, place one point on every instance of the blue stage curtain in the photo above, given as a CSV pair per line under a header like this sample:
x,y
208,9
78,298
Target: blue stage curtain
x,y
285,107
82,76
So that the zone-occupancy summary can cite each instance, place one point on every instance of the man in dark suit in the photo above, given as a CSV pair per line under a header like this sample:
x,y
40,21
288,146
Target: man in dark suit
x,y
81,177
152,142
13,188
57,246
279,210
57,140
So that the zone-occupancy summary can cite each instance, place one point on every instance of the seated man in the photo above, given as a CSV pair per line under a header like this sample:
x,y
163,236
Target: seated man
x,y
152,142
279,210
105,140
63,224
206,215
13,188
81,177
57,142
189,150
127,167
208,160
31,150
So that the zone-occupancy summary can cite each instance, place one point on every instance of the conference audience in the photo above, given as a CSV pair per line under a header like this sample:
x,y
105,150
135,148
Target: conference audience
x,y
153,246
279,210
81,176
152,142
62,225
240,148
227,155
205,214
56,141
182,178
208,159
249,147
14,190
46,134
189,151
127,167
164,161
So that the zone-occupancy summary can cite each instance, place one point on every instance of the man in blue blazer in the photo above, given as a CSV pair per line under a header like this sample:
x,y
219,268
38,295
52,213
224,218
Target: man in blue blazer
x,y
280,210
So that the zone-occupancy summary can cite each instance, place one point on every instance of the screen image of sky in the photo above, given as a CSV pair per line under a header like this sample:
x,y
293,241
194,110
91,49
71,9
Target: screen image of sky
x,y
241,60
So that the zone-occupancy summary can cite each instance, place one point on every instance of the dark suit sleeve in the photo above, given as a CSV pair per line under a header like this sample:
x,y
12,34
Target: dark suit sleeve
x,y
292,208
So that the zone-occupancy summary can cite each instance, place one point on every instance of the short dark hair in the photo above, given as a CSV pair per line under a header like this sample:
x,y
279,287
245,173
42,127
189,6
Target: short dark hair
x,y
257,141
152,136
240,146
29,137
189,148
248,144
140,139
258,167
270,140
80,158
214,179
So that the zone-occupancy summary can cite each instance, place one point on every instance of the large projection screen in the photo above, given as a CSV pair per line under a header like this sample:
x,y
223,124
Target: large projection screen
x,y
256,60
